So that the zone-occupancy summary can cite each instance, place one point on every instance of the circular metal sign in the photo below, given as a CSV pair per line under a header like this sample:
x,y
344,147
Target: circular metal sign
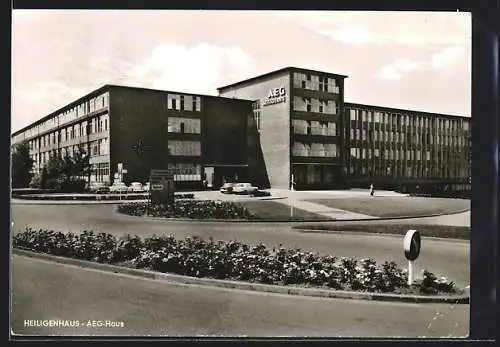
x,y
411,244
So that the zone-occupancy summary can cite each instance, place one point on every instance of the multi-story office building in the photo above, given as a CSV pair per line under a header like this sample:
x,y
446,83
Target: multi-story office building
x,y
298,115
402,148
309,135
287,125
145,129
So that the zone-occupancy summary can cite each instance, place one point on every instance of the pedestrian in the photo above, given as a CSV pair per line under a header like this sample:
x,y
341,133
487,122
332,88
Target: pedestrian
x,y
372,191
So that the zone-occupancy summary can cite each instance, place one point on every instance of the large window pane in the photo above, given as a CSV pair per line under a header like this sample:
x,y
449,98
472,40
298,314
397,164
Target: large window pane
x,y
184,148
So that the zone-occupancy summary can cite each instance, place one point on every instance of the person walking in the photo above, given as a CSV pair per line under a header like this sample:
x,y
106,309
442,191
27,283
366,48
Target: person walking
x,y
372,191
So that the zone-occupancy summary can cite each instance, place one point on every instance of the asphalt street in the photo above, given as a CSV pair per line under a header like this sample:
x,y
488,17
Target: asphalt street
x,y
149,307
443,257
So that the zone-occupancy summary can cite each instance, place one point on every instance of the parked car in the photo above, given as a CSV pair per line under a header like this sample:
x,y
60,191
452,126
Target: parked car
x,y
227,188
146,187
102,190
118,187
244,188
135,187
98,188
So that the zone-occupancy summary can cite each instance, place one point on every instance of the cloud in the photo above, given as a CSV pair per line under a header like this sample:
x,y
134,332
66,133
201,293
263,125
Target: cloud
x,y
359,35
447,57
388,28
399,66
352,35
197,69
39,99
388,72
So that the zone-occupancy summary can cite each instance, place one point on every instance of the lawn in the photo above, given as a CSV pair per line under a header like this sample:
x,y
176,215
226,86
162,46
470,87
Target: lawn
x,y
426,230
396,206
275,211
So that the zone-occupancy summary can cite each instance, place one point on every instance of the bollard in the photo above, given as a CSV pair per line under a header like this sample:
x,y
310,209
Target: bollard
x,y
411,246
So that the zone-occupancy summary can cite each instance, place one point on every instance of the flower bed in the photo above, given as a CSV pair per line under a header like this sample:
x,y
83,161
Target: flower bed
x,y
232,260
195,209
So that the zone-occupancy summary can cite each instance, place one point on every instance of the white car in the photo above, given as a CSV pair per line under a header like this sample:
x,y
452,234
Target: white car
x,y
146,187
135,187
244,188
118,187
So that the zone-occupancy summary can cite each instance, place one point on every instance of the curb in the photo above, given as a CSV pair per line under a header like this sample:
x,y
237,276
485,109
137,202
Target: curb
x,y
74,201
313,292
362,233
297,221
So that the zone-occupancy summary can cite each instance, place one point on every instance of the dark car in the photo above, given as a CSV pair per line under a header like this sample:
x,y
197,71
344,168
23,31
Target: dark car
x,y
227,188
102,190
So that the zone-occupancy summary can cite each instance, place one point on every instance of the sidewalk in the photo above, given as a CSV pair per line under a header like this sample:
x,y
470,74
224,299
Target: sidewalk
x,y
335,194
322,210
296,199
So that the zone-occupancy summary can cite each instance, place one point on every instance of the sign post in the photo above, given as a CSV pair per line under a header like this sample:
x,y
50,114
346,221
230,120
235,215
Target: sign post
x,y
411,245
161,186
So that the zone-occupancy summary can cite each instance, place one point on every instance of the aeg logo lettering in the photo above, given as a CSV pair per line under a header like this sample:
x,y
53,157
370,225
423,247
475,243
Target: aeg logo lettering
x,y
275,96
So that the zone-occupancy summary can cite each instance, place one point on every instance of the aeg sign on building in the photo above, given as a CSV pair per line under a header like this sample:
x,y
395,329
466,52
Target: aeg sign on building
x,y
261,130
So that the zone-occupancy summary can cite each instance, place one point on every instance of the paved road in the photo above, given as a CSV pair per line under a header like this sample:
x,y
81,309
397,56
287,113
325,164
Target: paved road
x,y
148,307
447,258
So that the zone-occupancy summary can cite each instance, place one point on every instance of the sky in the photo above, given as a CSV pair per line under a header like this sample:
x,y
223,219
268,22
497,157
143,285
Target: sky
x,y
410,60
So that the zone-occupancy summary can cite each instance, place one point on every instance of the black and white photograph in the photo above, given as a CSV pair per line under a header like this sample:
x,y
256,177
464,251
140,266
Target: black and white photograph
x,y
210,173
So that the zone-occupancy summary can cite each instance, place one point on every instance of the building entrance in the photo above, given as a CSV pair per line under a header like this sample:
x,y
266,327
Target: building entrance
x,y
316,176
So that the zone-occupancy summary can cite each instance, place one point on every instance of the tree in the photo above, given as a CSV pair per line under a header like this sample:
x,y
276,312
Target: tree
x,y
80,167
67,173
22,164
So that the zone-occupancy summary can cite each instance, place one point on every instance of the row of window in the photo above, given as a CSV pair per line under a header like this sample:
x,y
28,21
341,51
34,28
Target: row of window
x,y
86,107
300,149
184,125
398,170
100,173
394,136
184,148
399,119
391,154
185,171
95,125
183,102
99,147
256,118
315,82
40,159
307,127
314,105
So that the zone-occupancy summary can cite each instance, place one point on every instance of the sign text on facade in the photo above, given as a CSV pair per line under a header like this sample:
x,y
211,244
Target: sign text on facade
x,y
275,96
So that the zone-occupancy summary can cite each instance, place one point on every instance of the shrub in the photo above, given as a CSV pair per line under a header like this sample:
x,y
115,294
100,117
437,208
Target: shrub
x,y
73,186
35,182
433,285
194,209
234,260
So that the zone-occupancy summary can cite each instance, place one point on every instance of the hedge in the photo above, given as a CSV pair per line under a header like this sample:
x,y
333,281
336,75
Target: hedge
x,y
195,209
232,260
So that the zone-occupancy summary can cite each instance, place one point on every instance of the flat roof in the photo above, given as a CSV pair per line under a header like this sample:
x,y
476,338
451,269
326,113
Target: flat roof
x,y
288,68
107,87
387,108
